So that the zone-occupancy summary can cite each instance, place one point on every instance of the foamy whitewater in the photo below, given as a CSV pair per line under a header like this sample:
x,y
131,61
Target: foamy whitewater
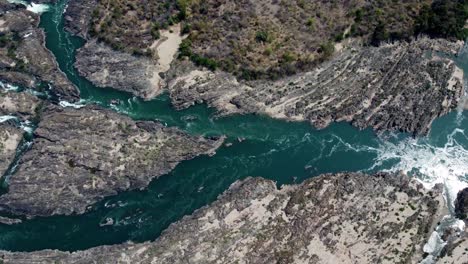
x,y
33,7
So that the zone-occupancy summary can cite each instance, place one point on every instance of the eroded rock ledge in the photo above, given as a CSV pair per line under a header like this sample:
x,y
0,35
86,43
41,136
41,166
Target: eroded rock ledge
x,y
79,156
400,86
347,217
24,59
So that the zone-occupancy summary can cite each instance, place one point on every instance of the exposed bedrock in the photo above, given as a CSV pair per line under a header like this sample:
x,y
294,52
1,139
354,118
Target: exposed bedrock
x,y
77,17
79,156
23,105
106,67
347,217
10,138
24,59
400,86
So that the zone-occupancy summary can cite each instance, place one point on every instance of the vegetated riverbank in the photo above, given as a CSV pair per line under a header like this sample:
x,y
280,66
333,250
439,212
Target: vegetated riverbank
x,y
282,151
400,86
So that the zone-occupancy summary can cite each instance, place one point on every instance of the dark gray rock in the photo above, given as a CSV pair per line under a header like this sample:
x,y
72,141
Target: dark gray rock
x,y
106,67
461,205
78,15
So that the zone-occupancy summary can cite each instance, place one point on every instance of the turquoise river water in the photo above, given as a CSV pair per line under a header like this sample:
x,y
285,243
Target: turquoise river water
x,y
286,152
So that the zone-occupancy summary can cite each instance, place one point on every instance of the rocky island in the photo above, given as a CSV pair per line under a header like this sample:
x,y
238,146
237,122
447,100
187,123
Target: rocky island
x,y
79,156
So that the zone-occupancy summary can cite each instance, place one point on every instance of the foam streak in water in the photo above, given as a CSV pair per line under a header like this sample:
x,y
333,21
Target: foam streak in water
x,y
428,163
33,7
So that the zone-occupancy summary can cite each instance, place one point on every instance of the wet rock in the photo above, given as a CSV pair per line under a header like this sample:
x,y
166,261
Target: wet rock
x,y
24,60
342,218
81,155
461,205
9,221
400,86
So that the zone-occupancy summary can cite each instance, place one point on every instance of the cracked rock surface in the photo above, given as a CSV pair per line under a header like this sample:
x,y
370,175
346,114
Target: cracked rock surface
x,y
346,217
400,86
79,156
24,59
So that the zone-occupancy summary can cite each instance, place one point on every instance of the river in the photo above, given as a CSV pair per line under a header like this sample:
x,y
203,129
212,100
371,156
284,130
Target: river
x,y
286,152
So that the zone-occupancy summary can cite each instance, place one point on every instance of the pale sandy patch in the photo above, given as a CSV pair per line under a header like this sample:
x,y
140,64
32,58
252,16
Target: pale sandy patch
x,y
457,77
165,48
11,142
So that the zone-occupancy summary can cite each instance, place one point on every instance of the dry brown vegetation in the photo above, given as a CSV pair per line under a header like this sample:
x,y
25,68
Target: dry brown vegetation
x,y
271,38
131,25
266,38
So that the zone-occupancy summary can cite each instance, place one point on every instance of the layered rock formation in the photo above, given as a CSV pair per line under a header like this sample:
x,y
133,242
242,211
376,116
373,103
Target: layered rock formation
x,y
24,60
400,86
349,217
106,67
79,156
392,87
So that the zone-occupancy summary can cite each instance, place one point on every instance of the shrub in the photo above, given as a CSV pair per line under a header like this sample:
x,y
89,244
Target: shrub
x,y
262,36
444,19
380,34
327,49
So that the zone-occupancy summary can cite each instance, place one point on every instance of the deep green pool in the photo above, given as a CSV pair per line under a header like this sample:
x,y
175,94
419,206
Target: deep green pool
x,y
278,150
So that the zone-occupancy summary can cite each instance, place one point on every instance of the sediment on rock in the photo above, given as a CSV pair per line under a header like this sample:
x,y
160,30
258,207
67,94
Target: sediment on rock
x,y
399,86
10,138
24,59
79,156
22,105
346,217
140,75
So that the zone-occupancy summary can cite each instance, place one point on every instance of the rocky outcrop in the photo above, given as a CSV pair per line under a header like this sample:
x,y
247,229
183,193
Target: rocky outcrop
x,y
347,217
16,108
79,156
77,17
456,252
140,75
461,205
23,105
106,67
24,60
399,86
10,138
